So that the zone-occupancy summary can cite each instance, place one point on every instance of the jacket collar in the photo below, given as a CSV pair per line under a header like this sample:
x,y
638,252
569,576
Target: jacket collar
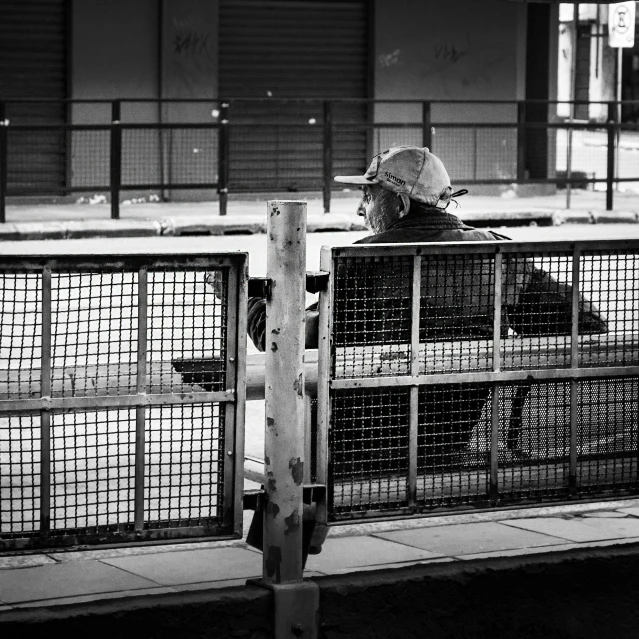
x,y
423,217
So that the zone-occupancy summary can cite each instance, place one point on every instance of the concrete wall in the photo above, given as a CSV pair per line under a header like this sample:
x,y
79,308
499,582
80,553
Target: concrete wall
x,y
114,54
455,50
190,71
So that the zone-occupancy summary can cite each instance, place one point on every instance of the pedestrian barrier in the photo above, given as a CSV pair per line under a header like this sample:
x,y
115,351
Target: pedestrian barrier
x,y
412,419
412,422
101,442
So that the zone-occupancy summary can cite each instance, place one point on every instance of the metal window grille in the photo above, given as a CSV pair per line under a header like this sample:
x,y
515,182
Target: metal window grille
x,y
477,374
101,440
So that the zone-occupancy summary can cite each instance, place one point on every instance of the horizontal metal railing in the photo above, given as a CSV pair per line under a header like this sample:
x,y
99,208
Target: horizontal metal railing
x,y
217,147
101,442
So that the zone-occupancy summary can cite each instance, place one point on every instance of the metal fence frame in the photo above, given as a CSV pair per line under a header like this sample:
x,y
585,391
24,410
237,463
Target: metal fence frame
x,y
225,121
327,383
50,400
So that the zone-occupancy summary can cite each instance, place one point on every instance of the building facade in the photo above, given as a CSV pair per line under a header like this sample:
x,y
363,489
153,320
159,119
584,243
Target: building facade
x,y
269,51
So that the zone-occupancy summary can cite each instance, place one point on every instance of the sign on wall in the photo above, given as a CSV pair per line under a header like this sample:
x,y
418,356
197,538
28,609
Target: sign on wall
x,y
621,24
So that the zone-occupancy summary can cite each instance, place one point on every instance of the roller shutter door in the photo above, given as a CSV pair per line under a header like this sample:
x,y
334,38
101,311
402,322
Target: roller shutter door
x,y
33,64
278,49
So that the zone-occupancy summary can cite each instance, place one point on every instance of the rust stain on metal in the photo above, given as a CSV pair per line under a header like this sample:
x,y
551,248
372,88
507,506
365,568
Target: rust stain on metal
x,y
272,509
292,523
297,469
273,562
275,331
267,460
270,422
273,346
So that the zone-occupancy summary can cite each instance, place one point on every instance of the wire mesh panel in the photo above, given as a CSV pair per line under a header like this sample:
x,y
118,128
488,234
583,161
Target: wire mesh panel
x,y
171,155
19,474
120,398
478,374
276,155
184,467
90,158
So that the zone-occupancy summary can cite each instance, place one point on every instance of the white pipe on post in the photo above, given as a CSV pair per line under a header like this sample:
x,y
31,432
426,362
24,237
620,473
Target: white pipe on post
x,y
284,392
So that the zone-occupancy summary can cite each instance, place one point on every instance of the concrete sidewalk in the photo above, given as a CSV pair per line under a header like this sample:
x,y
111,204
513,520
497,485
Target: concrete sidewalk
x,y
44,581
245,216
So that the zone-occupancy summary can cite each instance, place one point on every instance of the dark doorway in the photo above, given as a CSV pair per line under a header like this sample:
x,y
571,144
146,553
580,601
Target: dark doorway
x,y
33,66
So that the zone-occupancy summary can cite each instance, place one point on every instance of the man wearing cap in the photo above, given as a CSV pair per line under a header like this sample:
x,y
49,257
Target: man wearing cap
x,y
406,193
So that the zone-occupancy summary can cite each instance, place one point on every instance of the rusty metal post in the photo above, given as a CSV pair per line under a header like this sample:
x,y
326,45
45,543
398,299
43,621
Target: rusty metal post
x,y
296,602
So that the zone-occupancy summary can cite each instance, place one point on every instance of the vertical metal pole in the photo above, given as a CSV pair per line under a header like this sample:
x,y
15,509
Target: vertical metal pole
x,y
45,414
324,366
414,391
574,364
223,158
427,137
521,142
234,418
140,411
284,392
494,413
328,155
4,156
296,602
619,112
610,156
573,107
116,159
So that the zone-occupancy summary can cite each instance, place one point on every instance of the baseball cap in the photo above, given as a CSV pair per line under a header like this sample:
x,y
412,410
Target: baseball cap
x,y
411,170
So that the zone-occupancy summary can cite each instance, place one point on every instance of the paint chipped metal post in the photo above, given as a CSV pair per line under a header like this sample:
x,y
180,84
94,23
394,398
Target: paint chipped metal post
x,y
296,602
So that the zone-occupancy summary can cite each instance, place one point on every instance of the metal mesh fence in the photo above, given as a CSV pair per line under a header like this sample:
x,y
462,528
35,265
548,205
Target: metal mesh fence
x,y
477,153
19,474
102,440
369,449
21,335
92,470
184,467
299,145
284,157
612,283
90,159
426,412
94,332
373,315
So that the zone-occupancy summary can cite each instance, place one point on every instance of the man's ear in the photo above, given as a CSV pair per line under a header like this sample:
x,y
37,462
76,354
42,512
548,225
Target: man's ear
x,y
405,204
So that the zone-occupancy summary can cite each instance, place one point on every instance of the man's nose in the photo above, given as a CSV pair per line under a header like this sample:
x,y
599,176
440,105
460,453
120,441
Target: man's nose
x,y
361,209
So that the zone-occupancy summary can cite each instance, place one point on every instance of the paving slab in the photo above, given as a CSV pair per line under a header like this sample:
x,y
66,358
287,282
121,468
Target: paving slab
x,y
351,553
55,581
630,510
192,566
615,527
464,539
579,529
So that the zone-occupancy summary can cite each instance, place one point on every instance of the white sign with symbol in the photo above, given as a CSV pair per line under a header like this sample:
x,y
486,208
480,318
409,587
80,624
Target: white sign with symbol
x,y
621,24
